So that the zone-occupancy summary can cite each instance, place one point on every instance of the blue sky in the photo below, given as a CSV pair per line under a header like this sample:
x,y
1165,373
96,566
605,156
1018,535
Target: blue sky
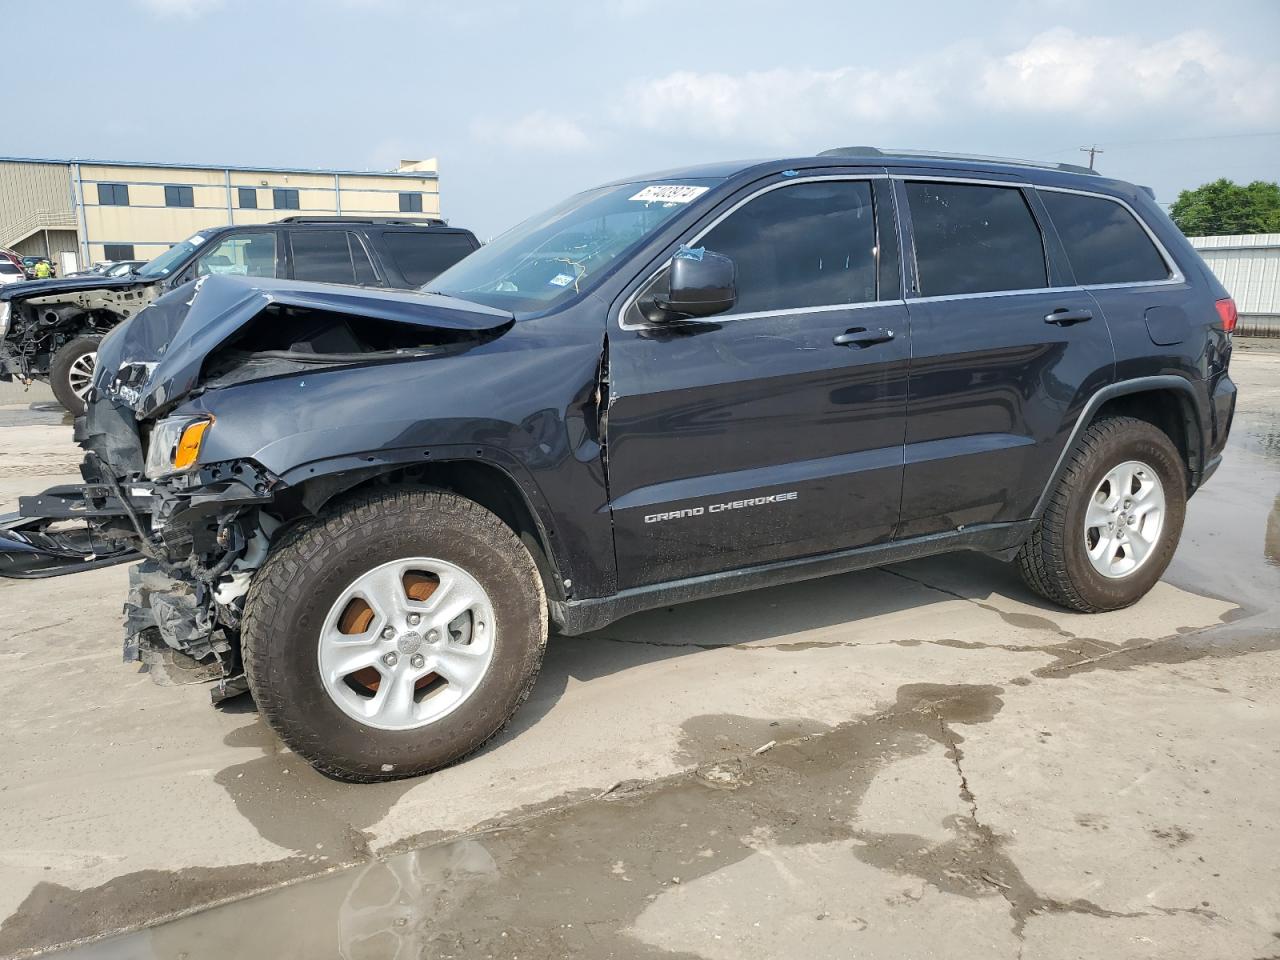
x,y
524,103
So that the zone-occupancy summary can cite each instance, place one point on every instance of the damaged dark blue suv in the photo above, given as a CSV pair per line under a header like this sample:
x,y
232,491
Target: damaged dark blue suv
x,y
367,506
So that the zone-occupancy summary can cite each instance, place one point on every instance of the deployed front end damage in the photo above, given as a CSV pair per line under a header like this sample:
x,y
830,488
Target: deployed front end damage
x,y
201,530
200,536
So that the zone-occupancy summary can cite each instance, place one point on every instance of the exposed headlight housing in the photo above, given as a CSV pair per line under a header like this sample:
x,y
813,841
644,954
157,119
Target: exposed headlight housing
x,y
174,446
4,319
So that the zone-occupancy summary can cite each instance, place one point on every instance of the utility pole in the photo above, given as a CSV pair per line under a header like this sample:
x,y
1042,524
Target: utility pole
x,y
1091,151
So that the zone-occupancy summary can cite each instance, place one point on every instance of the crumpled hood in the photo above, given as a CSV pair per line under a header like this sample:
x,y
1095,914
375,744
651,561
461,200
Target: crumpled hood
x,y
152,360
44,288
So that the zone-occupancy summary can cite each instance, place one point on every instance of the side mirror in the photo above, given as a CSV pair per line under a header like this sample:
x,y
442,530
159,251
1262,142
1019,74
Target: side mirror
x,y
701,283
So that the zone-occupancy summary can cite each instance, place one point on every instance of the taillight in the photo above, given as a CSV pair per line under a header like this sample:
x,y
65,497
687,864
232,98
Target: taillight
x,y
1227,311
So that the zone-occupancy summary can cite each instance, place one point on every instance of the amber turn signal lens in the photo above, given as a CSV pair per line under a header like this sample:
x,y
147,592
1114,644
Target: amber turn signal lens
x,y
189,445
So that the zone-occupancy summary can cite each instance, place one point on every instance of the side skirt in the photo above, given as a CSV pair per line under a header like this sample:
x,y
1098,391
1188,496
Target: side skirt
x,y
573,617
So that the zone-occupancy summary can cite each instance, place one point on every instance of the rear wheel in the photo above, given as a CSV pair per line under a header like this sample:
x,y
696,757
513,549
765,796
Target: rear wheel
x,y
71,372
394,635
1112,522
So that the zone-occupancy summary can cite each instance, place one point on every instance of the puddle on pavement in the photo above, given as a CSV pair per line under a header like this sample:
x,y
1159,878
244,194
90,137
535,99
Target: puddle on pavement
x,y
570,882
573,881
35,415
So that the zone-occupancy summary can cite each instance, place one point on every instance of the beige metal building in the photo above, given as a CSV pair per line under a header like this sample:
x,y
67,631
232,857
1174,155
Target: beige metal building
x,y
79,212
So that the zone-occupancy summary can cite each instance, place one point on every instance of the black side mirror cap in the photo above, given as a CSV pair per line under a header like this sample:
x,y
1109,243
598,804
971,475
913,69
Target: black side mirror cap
x,y
701,283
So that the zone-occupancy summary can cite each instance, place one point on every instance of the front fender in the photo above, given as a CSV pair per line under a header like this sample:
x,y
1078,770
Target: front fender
x,y
529,411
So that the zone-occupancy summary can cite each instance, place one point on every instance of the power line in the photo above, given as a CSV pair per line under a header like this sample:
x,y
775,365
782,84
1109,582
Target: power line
x,y
1092,152
1144,143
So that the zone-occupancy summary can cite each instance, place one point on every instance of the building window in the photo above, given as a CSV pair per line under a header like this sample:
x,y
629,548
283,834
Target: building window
x,y
410,203
113,194
118,251
179,197
248,198
283,199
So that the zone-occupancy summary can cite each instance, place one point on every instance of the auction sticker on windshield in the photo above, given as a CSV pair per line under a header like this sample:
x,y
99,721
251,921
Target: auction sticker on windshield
x,y
670,193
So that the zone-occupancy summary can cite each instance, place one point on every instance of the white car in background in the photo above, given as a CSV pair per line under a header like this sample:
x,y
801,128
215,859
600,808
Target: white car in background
x,y
10,272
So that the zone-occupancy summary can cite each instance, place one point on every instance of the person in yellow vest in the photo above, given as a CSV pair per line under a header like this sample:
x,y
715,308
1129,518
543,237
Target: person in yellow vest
x,y
43,270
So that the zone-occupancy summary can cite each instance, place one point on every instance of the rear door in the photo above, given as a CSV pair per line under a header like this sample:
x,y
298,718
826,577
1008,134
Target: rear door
x,y
774,431
1005,352
1151,310
330,256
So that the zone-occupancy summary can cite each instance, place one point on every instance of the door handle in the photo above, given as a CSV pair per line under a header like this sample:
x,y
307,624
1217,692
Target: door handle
x,y
859,337
1065,318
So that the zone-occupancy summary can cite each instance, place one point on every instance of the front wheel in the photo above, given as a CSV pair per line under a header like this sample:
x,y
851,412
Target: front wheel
x,y
394,635
1113,520
71,372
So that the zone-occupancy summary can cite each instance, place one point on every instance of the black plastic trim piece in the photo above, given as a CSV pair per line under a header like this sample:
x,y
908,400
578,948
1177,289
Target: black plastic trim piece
x,y
1110,392
573,617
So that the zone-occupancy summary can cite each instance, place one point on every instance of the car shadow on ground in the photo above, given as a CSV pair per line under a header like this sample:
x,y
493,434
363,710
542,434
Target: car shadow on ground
x,y
765,616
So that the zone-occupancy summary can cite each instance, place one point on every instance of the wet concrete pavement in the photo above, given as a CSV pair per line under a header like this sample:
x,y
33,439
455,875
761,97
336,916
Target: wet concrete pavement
x,y
913,761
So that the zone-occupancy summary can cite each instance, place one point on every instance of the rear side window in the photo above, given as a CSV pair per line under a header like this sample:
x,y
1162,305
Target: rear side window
x,y
804,245
421,256
326,256
974,239
1103,241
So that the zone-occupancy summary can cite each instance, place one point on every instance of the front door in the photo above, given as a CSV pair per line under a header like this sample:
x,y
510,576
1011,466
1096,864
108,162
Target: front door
x,y
1005,352
773,431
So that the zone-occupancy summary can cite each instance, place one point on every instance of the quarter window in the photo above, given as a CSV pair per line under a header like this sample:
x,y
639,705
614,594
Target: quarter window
x,y
410,203
974,239
804,245
248,198
422,255
1103,241
179,197
284,199
113,194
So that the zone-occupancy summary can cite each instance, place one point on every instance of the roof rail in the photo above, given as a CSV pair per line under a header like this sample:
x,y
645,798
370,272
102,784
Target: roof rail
x,y
937,155
394,221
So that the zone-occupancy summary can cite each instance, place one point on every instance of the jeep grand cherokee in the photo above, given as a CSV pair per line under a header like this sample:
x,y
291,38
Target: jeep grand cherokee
x,y
367,506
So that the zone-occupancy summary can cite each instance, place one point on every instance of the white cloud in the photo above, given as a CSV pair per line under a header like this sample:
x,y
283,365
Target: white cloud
x,y
1188,75
180,9
540,131
779,106
1100,76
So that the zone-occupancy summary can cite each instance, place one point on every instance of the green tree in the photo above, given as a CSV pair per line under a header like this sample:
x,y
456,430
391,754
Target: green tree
x,y
1225,207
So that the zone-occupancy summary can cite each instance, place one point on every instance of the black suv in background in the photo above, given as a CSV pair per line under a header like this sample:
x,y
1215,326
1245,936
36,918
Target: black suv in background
x,y
50,329
666,388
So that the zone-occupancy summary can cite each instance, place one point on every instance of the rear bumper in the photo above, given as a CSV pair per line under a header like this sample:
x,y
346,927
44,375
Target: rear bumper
x,y
1223,401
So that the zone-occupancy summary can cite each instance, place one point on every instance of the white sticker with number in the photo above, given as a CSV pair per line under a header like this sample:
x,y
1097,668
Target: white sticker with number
x,y
669,193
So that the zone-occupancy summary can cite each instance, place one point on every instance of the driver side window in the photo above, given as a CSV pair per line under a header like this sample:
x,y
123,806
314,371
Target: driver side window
x,y
242,255
801,245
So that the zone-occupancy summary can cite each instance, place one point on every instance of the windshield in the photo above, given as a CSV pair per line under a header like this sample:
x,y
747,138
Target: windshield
x,y
557,254
172,258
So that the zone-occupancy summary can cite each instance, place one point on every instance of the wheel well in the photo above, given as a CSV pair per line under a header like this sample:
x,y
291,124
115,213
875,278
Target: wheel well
x,y
1167,410
482,483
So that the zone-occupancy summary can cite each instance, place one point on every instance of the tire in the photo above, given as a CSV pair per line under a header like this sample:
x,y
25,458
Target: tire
x,y
1055,561
68,369
314,566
